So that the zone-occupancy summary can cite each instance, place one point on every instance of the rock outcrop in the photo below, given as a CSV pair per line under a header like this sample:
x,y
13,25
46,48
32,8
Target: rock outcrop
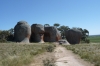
x,y
51,34
22,32
73,36
37,33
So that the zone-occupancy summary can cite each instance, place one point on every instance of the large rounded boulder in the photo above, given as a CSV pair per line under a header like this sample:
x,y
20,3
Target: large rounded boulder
x,y
37,33
22,32
73,36
51,34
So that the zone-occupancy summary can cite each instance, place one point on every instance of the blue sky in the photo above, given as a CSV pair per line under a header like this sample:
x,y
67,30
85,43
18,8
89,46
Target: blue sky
x,y
73,13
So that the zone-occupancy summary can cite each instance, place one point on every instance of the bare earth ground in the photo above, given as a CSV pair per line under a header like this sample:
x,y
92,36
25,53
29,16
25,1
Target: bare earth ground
x,y
62,57
67,58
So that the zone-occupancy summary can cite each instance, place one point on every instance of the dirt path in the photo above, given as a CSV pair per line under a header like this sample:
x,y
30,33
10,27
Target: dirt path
x,y
67,58
62,56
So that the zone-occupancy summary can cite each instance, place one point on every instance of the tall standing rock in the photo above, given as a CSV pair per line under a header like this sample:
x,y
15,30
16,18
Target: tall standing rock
x,y
22,32
51,34
37,33
73,36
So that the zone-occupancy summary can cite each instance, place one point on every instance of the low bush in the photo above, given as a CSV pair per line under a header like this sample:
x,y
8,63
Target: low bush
x,y
50,48
49,62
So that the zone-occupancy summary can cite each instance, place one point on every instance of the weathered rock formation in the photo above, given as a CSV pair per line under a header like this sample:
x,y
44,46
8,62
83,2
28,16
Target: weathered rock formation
x,y
73,36
51,34
37,33
22,32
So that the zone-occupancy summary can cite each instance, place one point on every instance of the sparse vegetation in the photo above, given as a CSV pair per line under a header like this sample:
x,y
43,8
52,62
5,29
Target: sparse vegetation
x,y
48,62
12,54
50,48
89,52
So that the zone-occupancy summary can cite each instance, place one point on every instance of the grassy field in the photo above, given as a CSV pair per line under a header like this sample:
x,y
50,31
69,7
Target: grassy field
x,y
89,52
94,39
12,54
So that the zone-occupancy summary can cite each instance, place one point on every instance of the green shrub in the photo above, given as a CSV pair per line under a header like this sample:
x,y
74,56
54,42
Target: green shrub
x,y
50,48
48,62
87,41
5,36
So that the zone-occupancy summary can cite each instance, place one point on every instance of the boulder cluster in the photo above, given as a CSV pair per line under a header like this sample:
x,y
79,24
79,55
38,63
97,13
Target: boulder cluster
x,y
25,33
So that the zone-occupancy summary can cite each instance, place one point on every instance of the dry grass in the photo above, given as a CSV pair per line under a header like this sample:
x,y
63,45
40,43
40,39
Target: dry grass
x,y
89,52
12,54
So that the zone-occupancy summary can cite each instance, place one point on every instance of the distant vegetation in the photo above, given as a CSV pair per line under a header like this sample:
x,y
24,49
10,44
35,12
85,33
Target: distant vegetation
x,y
94,39
21,54
89,52
6,35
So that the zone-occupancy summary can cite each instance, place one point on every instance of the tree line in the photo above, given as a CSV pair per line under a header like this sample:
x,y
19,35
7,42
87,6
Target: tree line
x,y
8,35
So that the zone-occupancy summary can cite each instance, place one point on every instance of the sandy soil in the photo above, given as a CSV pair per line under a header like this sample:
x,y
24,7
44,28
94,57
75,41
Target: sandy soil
x,y
67,58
